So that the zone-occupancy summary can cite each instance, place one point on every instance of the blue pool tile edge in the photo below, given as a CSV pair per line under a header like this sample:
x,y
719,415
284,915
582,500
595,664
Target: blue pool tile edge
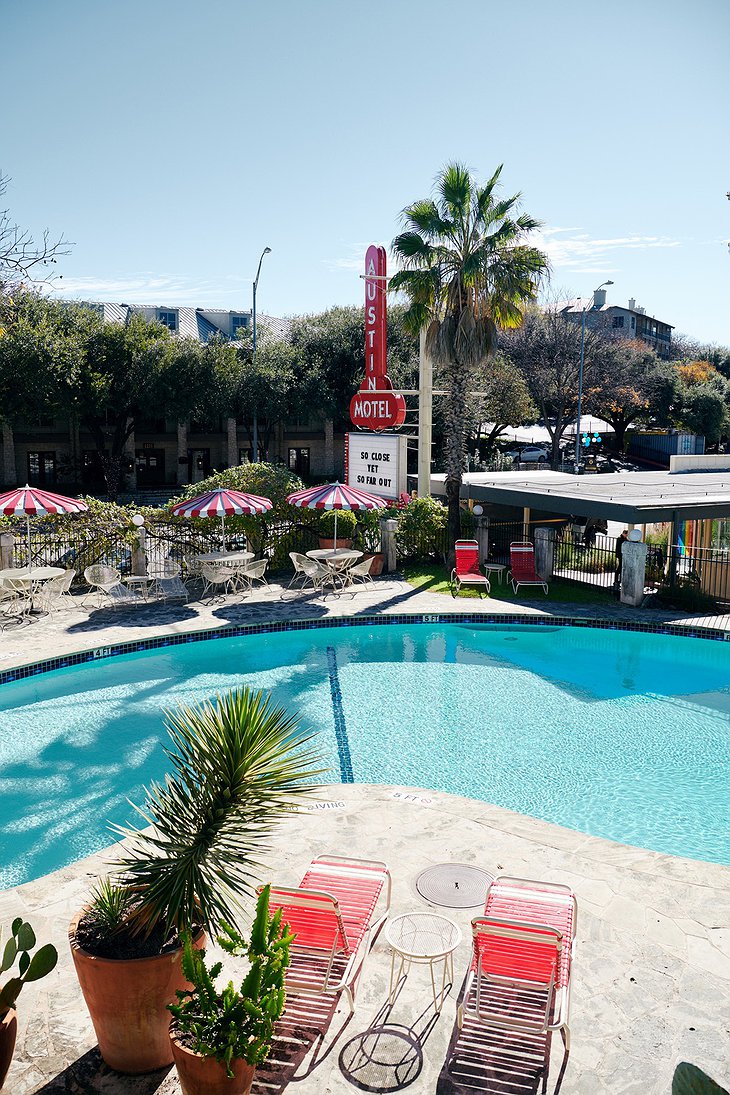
x,y
113,650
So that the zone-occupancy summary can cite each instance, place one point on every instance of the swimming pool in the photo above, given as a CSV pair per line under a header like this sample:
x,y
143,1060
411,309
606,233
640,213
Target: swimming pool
x,y
619,734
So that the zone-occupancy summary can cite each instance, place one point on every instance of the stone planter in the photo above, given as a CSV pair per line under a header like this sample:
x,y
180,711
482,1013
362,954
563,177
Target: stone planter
x,y
127,1000
205,1076
8,1032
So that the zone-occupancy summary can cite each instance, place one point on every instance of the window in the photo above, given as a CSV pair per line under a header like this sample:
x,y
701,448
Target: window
x,y
618,321
41,468
168,318
236,323
633,322
299,462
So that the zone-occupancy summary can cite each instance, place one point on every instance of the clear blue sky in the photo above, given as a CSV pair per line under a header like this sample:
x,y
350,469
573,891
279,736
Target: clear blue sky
x,y
172,140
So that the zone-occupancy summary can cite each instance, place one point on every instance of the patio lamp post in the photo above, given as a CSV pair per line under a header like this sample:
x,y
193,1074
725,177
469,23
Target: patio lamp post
x,y
266,251
580,371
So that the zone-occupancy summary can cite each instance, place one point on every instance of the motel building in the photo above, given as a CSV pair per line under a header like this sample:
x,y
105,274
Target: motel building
x,y
162,453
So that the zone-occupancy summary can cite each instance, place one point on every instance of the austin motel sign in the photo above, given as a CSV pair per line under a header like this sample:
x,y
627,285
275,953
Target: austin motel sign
x,y
375,406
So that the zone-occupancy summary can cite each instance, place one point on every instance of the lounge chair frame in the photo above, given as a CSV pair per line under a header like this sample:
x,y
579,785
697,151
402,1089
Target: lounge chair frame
x,y
467,572
549,1008
323,924
520,574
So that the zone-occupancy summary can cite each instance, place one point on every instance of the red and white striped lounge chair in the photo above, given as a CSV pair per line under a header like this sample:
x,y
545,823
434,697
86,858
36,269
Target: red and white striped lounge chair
x,y
522,567
467,572
522,955
335,915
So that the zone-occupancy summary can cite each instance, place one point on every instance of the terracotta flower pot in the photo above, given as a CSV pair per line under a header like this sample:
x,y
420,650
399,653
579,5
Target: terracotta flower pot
x,y
329,544
205,1076
8,1032
378,561
127,1000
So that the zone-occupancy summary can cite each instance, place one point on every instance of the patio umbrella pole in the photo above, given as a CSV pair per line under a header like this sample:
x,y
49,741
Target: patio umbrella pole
x,y
335,548
27,532
223,533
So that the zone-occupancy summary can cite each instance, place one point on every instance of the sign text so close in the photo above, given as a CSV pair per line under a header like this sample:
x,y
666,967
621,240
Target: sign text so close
x,y
375,406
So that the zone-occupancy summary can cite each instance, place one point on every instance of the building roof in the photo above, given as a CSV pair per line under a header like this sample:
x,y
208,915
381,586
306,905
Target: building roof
x,y
632,497
577,304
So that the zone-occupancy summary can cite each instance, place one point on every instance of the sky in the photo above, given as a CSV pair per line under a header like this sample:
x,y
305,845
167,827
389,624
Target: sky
x,y
172,140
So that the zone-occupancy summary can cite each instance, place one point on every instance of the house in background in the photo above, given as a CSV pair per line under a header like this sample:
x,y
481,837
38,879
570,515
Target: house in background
x,y
162,452
629,322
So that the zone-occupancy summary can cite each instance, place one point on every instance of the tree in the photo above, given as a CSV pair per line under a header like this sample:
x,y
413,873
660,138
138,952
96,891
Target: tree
x,y
265,383
705,397
22,258
506,401
467,272
546,351
622,384
329,358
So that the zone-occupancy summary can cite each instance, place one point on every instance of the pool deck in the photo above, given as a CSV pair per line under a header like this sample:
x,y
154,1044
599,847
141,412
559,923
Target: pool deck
x,y
651,983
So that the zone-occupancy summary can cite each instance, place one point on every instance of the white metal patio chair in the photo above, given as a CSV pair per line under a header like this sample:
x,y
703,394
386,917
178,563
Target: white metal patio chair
x,y
15,599
107,581
166,581
360,572
318,575
55,595
299,562
249,573
217,582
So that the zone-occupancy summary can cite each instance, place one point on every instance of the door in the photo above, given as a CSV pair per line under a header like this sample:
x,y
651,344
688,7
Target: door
x,y
150,467
198,464
299,462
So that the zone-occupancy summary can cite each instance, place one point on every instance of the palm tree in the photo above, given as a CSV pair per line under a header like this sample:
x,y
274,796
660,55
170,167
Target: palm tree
x,y
468,272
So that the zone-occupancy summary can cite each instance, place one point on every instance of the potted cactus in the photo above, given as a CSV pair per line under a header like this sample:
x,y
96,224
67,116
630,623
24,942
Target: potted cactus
x,y
18,947
239,763
218,1037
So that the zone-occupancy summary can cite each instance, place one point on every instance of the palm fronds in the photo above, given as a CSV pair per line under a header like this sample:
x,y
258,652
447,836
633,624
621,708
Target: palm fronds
x,y
238,764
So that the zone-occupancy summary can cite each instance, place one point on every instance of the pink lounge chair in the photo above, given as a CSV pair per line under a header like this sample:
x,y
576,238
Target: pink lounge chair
x,y
466,571
522,567
522,956
335,915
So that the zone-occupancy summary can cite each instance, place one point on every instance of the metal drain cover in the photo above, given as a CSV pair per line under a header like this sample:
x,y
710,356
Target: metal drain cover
x,y
454,885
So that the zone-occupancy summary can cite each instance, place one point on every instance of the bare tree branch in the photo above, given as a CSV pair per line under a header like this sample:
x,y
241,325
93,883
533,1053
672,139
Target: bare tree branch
x,y
22,258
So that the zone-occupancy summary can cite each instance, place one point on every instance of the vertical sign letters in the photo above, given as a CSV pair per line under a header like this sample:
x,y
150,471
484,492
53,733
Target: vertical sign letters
x,y
375,406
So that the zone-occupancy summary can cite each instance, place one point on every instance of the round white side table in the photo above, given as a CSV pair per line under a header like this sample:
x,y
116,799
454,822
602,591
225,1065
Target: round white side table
x,y
426,939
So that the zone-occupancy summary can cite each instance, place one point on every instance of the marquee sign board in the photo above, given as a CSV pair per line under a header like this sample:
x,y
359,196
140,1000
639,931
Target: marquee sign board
x,y
377,463
375,406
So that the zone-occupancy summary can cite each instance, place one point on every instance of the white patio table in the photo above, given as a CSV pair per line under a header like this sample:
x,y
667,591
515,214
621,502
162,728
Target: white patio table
x,y
226,558
338,559
33,578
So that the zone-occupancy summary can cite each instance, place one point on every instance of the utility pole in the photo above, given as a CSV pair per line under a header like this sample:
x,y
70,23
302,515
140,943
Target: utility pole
x,y
425,417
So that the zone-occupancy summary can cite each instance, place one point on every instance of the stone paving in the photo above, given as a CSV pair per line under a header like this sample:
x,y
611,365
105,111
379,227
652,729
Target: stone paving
x,y
652,971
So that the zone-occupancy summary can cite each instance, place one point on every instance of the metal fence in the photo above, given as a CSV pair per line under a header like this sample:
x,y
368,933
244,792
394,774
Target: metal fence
x,y
700,570
590,559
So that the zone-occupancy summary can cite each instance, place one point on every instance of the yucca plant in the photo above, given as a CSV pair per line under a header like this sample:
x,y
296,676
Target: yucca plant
x,y
238,764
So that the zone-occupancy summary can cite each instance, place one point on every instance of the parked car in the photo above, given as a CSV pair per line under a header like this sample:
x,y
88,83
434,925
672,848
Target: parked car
x,y
529,454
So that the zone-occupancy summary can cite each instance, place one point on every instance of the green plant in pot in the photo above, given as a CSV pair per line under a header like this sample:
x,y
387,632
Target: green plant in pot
x,y
238,764
337,525
219,1036
18,949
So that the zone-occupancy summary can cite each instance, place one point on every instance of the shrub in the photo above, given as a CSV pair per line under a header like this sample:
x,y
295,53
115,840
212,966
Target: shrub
x,y
421,531
346,524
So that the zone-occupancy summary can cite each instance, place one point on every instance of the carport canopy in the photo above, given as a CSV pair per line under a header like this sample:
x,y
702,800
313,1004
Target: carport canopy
x,y
636,498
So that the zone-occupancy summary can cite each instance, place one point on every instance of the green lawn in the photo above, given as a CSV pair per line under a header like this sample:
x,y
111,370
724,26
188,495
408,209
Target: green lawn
x,y
434,578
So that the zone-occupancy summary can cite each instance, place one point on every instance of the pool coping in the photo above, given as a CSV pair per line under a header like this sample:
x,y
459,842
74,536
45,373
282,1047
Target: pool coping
x,y
377,619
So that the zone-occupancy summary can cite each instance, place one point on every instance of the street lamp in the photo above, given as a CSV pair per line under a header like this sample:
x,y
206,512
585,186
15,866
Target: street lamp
x,y
266,251
580,372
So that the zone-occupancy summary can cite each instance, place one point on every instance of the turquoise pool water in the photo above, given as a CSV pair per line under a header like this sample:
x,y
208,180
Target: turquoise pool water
x,y
615,733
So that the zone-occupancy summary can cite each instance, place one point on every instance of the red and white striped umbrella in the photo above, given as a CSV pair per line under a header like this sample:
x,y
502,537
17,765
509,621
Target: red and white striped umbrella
x,y
335,496
223,503
30,502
